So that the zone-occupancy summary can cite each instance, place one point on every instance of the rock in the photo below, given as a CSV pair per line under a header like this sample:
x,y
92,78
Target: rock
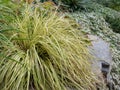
x,y
101,65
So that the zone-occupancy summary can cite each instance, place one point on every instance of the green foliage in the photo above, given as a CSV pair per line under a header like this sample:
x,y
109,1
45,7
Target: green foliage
x,y
114,4
44,51
8,12
74,4
110,15
69,5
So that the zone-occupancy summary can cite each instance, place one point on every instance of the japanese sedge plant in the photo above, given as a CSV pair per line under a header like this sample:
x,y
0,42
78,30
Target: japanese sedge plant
x,y
44,52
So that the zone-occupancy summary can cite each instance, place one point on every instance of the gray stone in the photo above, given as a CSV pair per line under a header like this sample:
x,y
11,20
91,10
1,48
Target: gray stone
x,y
101,65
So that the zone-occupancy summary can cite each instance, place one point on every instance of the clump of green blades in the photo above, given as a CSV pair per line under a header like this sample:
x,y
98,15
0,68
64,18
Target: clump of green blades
x,y
44,51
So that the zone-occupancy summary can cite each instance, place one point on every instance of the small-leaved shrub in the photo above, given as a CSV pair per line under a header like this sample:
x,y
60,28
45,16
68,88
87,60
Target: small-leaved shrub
x,y
94,23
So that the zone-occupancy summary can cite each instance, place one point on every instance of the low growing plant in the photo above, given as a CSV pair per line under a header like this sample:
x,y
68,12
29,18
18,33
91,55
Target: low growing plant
x,y
94,23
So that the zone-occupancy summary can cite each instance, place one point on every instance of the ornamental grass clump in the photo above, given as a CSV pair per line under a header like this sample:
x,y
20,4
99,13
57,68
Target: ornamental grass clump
x,y
45,51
